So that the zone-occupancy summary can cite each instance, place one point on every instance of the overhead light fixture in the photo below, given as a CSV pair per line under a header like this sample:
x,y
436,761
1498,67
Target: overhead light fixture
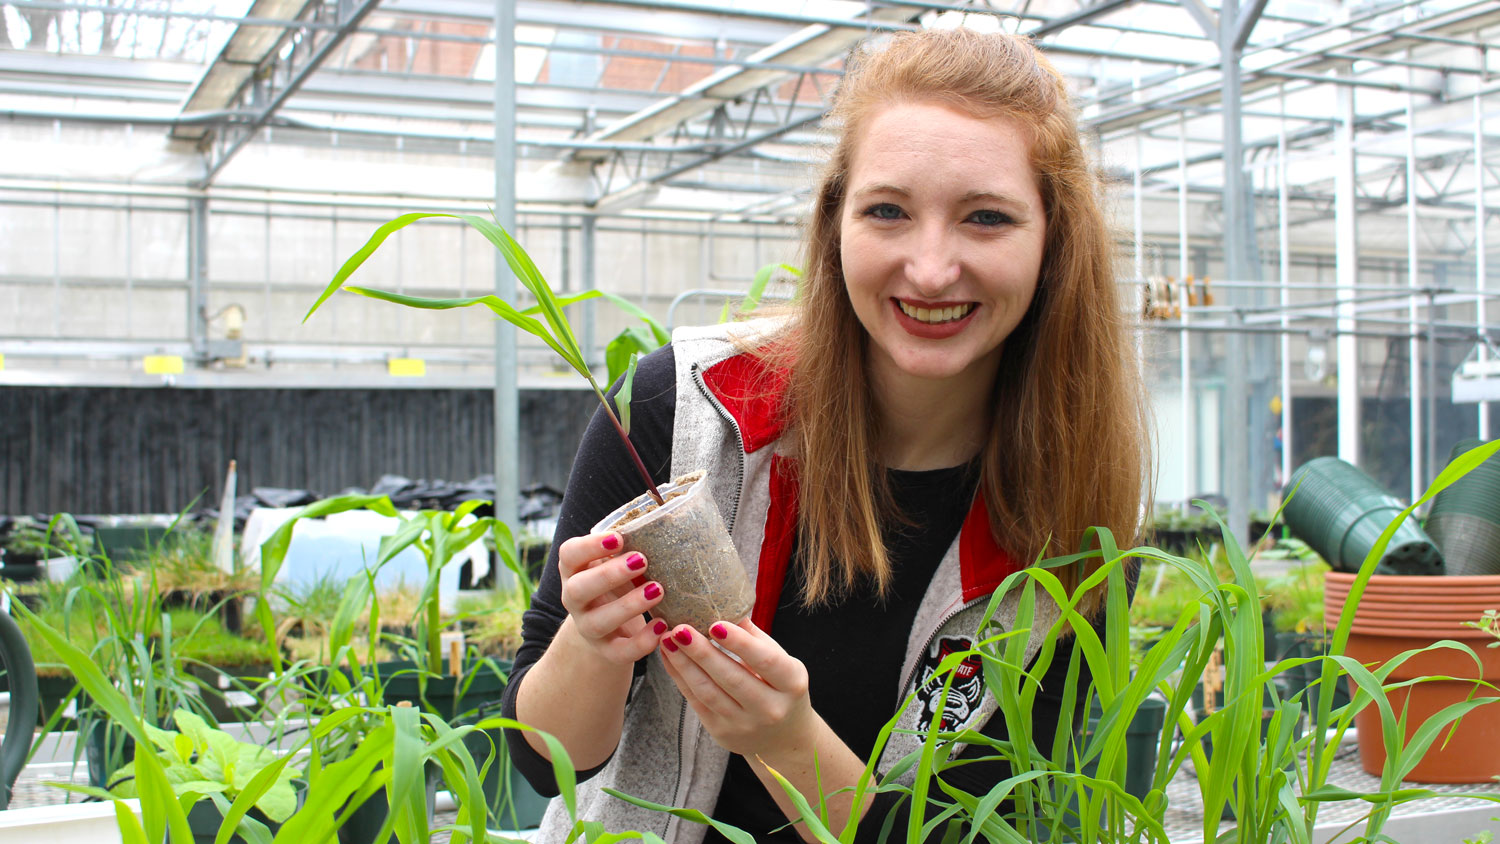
x,y
634,196
1478,379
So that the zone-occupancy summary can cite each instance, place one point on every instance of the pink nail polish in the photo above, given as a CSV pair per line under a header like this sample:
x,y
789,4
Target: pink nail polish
x,y
719,630
611,542
653,591
659,627
685,635
635,562
669,644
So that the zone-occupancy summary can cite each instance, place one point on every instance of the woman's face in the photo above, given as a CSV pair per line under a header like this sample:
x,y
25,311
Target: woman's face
x,y
942,236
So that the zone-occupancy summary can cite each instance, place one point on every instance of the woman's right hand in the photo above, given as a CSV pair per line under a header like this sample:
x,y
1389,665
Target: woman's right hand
x,y
606,594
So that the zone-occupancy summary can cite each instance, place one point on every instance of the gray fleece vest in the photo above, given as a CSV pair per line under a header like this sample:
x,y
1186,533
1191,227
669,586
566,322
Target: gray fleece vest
x,y
665,755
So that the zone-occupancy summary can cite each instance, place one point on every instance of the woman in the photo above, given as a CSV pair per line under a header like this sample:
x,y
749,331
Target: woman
x,y
956,395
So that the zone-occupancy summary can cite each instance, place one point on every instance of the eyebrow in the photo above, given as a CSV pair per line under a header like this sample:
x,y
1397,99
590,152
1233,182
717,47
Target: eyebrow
x,y
971,196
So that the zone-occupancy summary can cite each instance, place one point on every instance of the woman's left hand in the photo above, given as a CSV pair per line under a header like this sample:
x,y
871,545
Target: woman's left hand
x,y
758,705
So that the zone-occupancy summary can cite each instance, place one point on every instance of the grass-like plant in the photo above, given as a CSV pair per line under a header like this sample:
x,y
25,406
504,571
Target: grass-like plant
x,y
1273,775
552,328
437,534
395,747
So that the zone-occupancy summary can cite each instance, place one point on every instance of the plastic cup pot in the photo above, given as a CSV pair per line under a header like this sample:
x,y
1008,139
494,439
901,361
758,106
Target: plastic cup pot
x,y
688,551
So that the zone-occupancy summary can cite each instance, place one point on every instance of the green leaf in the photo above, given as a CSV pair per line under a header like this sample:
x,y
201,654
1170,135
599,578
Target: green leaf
x,y
622,398
363,253
130,825
758,285
629,343
733,833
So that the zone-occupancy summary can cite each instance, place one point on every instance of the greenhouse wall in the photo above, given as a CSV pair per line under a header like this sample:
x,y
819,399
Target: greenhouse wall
x,y
130,450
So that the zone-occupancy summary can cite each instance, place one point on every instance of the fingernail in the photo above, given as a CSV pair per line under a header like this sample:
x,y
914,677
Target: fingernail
x,y
685,635
635,562
669,644
653,591
719,630
659,628
611,542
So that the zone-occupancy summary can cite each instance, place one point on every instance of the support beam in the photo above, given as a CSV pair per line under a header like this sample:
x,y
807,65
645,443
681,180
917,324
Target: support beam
x,y
1085,15
281,79
1414,280
1346,269
589,281
197,255
1480,274
507,400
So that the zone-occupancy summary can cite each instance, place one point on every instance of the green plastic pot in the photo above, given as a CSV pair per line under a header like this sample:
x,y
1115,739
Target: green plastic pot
x,y
1340,512
1465,518
50,691
1142,738
365,821
107,747
205,819
1306,677
509,799
217,685
448,696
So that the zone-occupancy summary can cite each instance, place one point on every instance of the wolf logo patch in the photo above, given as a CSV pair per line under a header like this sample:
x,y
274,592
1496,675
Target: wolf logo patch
x,y
968,684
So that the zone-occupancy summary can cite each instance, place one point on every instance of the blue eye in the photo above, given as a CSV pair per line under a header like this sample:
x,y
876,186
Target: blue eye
x,y
883,211
989,217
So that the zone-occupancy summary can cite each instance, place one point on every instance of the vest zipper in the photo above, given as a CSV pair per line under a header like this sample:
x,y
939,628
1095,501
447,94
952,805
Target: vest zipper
x,y
734,507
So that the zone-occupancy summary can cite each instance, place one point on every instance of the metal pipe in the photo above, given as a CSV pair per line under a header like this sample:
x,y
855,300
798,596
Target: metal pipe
x,y
1284,262
1346,268
1185,338
1414,345
507,402
1238,229
1481,279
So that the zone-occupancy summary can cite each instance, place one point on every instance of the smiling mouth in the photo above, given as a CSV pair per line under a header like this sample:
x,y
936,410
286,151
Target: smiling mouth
x,y
937,316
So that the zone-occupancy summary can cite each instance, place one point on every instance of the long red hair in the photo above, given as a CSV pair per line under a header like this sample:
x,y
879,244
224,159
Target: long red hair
x,y
1067,447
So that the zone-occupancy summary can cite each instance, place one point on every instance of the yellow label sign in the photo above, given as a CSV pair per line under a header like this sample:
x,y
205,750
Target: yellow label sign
x,y
163,365
407,367
2,361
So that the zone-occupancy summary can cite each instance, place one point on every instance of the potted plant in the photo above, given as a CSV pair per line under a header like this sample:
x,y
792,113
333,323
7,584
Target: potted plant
x,y
395,746
208,769
229,668
22,551
439,536
706,548
1274,775
186,574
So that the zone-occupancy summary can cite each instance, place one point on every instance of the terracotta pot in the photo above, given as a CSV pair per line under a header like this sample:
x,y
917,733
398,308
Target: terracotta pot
x,y
1367,603
1427,612
1472,755
1405,583
688,551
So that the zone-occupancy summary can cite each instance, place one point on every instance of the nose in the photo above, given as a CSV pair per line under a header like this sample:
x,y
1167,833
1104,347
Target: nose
x,y
934,261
